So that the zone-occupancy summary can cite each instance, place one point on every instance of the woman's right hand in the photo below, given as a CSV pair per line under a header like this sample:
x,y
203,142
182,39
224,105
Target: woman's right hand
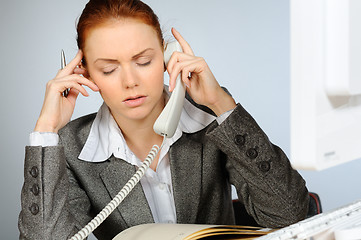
x,y
57,109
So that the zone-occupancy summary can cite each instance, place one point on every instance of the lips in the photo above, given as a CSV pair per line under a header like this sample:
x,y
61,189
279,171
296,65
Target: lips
x,y
135,101
133,98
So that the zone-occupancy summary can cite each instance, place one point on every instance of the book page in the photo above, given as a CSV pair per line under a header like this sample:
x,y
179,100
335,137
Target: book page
x,y
189,232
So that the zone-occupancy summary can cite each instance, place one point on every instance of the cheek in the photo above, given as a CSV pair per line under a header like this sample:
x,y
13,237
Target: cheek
x,y
158,74
160,77
103,82
106,87
98,82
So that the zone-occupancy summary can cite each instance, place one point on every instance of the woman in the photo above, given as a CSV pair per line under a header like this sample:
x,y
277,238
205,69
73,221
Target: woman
x,y
73,169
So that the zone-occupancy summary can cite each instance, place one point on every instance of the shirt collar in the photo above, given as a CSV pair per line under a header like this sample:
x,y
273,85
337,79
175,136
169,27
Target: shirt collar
x,y
105,138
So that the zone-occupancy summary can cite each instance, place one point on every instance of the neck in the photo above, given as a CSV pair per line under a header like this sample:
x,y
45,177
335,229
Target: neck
x,y
139,134
141,140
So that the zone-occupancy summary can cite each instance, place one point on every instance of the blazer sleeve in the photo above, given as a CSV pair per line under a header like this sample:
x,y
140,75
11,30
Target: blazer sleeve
x,y
46,210
273,193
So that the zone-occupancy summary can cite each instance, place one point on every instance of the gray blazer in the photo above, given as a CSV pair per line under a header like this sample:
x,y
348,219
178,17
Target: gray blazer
x,y
61,193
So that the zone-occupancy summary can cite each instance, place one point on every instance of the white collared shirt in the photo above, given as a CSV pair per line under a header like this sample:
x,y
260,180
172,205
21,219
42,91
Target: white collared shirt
x,y
106,139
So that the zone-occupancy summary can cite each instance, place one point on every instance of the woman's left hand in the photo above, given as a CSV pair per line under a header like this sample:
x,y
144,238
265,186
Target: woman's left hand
x,y
201,84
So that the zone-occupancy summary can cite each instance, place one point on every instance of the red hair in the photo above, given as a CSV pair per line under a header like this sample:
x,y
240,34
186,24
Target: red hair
x,y
100,12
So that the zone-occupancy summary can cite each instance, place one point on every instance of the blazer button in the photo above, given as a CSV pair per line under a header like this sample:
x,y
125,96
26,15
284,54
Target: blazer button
x,y
35,189
239,140
34,172
34,208
252,153
264,166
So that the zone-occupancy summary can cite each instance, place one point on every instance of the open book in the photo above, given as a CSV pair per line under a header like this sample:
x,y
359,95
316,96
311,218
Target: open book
x,y
190,232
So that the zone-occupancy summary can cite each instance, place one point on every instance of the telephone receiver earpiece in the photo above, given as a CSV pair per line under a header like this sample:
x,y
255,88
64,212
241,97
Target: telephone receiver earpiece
x,y
167,122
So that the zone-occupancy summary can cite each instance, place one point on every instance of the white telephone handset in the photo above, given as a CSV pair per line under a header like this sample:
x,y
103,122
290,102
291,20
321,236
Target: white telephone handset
x,y
165,125
167,122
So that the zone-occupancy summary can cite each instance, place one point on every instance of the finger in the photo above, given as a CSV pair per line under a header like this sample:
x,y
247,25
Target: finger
x,y
184,44
178,68
188,72
75,86
80,80
186,78
69,69
55,89
76,60
73,95
80,71
178,57
72,81
86,82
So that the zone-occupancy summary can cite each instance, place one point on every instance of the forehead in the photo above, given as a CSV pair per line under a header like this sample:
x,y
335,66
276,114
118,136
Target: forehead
x,y
127,36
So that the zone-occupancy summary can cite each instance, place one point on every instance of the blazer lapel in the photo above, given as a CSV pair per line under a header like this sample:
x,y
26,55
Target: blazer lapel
x,y
186,170
134,209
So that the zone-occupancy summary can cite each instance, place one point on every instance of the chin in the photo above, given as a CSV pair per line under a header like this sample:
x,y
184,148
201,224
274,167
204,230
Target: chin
x,y
140,114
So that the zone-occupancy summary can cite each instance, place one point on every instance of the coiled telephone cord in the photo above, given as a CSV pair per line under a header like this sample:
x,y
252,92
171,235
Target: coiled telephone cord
x,y
107,210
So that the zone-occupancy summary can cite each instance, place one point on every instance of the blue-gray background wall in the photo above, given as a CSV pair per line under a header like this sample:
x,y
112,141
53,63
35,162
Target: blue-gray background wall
x,y
245,42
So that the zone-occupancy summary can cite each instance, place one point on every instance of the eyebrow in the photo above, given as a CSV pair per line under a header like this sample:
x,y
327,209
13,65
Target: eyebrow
x,y
134,57
141,53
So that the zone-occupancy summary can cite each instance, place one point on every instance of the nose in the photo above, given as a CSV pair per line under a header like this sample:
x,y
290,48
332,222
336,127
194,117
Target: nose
x,y
129,78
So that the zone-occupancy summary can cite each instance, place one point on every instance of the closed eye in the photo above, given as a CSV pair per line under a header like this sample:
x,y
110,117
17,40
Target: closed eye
x,y
108,72
144,64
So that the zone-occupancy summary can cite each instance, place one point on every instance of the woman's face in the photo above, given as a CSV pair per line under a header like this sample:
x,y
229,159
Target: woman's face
x,y
125,60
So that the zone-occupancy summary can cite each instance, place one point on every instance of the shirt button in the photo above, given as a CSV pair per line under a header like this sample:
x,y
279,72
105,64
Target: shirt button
x,y
239,140
264,166
252,153
34,172
34,208
161,186
35,189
